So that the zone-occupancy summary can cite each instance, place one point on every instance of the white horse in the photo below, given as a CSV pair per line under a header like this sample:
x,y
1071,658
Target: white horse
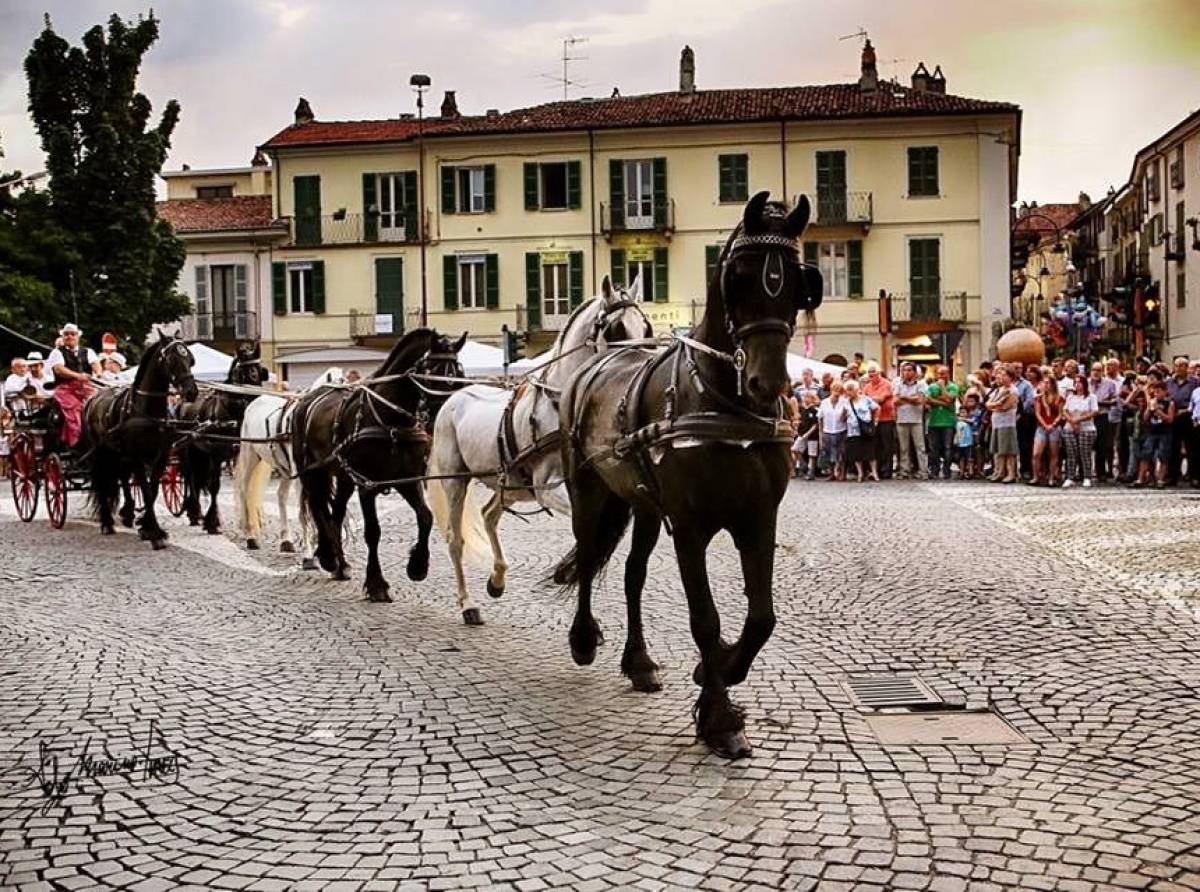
x,y
267,426
471,425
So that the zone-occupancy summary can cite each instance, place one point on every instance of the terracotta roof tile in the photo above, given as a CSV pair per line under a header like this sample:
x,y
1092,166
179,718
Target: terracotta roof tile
x,y
828,102
1061,214
218,214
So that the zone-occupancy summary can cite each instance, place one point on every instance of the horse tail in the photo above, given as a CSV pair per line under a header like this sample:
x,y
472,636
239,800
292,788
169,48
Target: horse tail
x,y
608,533
251,474
446,458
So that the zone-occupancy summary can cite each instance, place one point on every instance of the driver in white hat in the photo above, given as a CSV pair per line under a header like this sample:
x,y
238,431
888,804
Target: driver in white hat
x,y
73,366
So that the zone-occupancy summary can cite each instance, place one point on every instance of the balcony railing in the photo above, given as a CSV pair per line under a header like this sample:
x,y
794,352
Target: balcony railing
x,y
662,219
846,207
351,229
929,307
220,327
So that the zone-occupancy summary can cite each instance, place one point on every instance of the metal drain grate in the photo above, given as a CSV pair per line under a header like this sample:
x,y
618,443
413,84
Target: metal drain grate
x,y
883,689
944,729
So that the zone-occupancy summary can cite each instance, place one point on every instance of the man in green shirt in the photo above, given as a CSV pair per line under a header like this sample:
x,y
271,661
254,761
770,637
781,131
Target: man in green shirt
x,y
941,398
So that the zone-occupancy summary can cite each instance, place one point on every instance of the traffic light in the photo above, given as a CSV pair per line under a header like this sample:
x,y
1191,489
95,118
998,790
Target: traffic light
x,y
514,345
1151,307
1022,247
1120,304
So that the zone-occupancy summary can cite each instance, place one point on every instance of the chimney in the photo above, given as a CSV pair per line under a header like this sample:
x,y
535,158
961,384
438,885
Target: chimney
x,y
450,106
303,113
869,81
920,78
937,82
687,71
259,159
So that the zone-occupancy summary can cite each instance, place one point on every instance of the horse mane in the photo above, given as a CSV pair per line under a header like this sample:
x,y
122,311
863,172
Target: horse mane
x,y
398,354
149,359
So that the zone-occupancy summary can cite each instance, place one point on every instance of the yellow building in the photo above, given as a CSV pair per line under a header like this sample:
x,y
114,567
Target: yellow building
x,y
526,210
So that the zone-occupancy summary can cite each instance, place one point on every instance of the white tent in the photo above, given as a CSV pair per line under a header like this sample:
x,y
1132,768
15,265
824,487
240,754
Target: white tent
x,y
479,359
210,364
797,364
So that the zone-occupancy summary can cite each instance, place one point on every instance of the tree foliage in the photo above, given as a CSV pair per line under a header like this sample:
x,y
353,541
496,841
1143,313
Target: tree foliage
x,y
103,155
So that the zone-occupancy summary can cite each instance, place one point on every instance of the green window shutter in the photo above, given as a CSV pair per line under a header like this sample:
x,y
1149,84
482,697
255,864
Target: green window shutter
x,y
712,258
931,171
370,209
741,178
811,253
659,178
574,185
318,282
491,269
724,178
279,287
489,187
450,282
575,277
448,206
732,174
389,290
616,193
306,196
660,276
533,290
854,267
412,207
618,268
531,186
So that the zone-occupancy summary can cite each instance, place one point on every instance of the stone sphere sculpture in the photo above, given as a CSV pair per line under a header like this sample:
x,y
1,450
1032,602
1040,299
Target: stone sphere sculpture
x,y
1022,345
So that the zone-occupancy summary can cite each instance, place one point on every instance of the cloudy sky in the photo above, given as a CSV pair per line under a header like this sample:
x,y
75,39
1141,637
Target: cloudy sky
x,y
1097,79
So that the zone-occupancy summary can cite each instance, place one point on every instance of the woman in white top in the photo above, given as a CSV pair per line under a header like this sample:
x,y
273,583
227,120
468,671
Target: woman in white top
x,y
832,413
860,434
1079,434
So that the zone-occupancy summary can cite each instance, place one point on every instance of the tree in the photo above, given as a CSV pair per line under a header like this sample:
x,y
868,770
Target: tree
x,y
103,158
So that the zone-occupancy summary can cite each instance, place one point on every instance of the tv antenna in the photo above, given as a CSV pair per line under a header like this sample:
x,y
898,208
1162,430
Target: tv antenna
x,y
861,32
568,45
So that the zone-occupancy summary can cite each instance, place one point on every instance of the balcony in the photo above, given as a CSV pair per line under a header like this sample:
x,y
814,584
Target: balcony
x,y
842,208
350,229
220,327
661,219
929,307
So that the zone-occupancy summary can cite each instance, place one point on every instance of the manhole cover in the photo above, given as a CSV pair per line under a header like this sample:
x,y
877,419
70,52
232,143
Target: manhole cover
x,y
880,689
944,729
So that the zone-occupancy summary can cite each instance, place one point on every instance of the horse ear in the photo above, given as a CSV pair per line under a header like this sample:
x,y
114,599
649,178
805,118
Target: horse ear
x,y
606,288
752,216
257,354
458,345
635,288
797,220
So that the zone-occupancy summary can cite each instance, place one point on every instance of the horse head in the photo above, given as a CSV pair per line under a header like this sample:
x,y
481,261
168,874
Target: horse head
x,y
246,368
177,360
441,359
620,317
763,284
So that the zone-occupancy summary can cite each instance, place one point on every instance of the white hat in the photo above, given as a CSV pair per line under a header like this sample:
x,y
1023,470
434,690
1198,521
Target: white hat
x,y
70,328
118,358
34,356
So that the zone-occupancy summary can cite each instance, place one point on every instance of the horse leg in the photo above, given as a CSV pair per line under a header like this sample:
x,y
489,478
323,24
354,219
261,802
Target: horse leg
x,y
105,488
456,495
375,586
493,511
316,486
212,517
341,498
193,473
128,509
248,500
757,552
636,663
598,529
418,556
285,530
719,723
308,537
148,525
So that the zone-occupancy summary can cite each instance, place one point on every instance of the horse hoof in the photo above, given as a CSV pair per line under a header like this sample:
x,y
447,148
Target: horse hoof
x,y
472,617
308,564
646,682
193,521
731,745
379,595
582,657
158,544
107,530
127,521
286,547
251,545
494,590
328,563
212,530
341,574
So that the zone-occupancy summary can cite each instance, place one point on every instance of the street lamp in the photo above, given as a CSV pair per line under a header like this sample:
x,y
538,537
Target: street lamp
x,y
419,83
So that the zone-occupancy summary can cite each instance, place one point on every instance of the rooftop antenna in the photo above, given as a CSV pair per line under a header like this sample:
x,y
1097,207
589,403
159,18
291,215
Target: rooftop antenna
x,y
568,44
861,32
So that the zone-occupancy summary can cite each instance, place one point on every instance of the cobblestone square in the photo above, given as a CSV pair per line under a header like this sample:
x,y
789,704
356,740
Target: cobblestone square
x,y
324,742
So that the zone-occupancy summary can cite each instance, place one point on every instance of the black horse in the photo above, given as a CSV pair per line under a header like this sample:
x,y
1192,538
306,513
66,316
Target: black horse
x,y
374,432
125,433
216,418
693,437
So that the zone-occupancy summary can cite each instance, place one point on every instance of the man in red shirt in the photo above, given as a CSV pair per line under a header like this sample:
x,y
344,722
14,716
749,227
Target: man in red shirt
x,y
879,388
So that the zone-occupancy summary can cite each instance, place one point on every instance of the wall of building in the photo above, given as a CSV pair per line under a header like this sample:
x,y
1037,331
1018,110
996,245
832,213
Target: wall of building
x,y
183,185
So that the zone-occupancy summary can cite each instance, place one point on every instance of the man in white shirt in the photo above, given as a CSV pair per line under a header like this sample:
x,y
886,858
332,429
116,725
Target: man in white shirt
x,y
17,380
1066,385
73,365
38,379
909,391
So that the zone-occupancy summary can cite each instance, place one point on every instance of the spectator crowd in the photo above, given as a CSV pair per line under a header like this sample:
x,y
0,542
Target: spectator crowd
x,y
1049,425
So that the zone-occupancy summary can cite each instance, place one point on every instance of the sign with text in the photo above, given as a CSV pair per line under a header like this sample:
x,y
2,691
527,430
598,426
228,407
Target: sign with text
x,y
551,257
383,323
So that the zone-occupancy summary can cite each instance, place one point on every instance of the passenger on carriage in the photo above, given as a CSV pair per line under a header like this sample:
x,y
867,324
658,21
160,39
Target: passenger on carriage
x,y
41,382
114,364
14,384
73,366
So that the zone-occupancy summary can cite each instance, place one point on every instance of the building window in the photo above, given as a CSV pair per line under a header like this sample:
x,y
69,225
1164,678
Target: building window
x,y
639,194
470,190
1181,290
733,177
472,281
552,186
214,191
831,260
556,294
922,171
393,201
645,269
300,287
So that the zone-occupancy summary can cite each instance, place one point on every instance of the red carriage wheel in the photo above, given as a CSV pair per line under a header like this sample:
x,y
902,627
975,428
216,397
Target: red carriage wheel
x,y
24,474
172,489
56,490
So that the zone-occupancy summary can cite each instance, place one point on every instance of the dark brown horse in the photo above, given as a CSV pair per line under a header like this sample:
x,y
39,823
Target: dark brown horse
x,y
693,437
216,418
362,436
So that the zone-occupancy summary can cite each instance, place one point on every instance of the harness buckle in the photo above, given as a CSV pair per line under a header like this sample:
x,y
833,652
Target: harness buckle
x,y
739,366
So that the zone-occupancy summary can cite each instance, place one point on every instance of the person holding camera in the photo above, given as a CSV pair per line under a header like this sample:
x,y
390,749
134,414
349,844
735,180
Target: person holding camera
x,y
1159,416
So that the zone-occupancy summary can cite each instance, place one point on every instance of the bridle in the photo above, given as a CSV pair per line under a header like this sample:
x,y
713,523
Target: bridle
x,y
608,311
179,349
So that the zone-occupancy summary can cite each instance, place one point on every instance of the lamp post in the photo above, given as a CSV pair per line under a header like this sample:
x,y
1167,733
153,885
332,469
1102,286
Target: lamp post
x,y
419,83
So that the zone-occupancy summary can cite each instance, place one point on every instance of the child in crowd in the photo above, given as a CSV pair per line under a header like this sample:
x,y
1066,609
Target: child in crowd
x,y
964,444
806,447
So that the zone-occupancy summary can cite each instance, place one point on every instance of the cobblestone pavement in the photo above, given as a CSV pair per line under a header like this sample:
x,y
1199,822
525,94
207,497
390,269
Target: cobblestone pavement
x,y
329,743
